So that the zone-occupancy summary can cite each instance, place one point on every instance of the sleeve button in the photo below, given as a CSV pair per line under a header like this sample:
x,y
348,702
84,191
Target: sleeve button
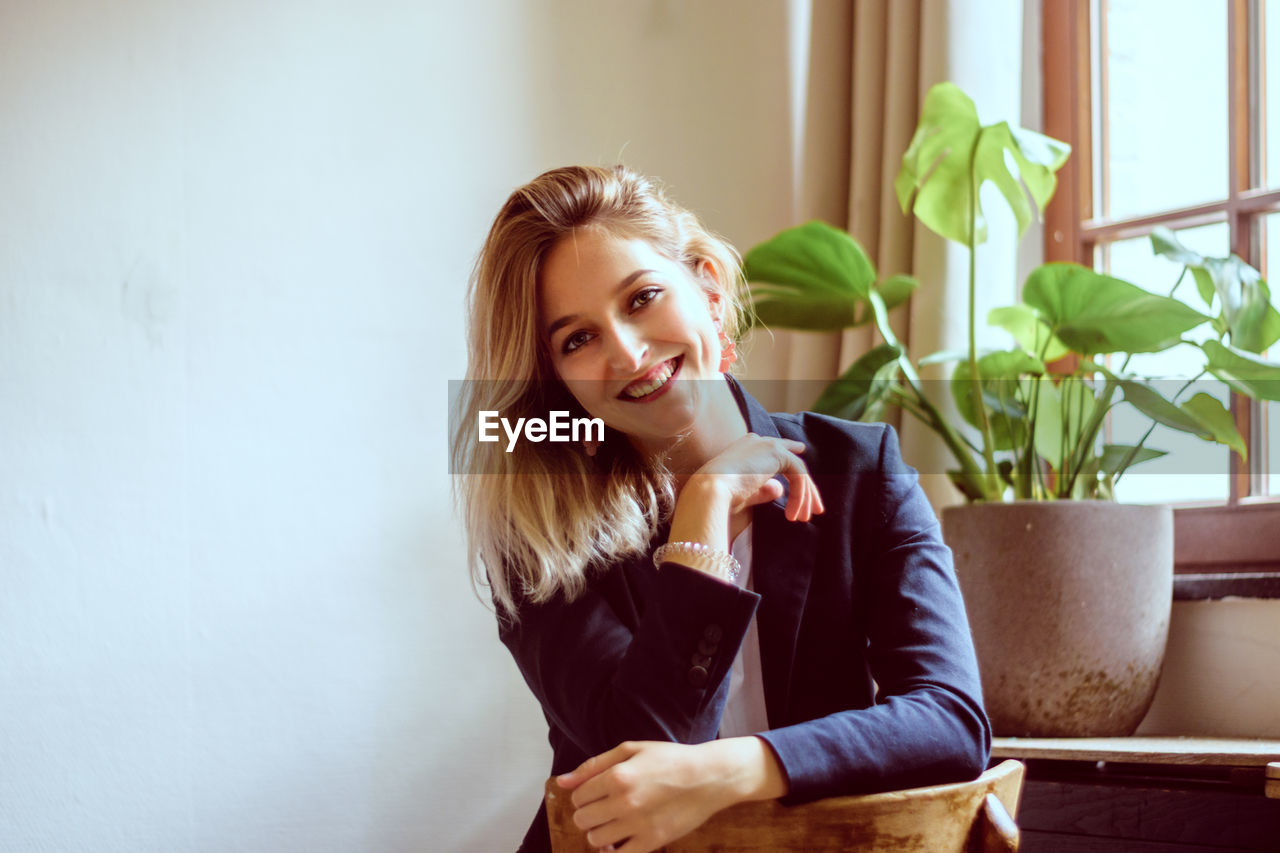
x,y
698,676
703,661
707,648
712,633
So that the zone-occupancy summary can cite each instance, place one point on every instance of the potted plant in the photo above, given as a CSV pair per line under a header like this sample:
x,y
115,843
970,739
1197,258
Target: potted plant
x,y
1068,592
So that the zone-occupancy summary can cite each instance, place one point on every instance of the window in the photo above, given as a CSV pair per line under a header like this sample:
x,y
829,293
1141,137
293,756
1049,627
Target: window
x,y
1166,104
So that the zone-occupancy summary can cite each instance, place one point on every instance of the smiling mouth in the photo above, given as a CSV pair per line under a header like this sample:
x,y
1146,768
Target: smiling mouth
x,y
653,383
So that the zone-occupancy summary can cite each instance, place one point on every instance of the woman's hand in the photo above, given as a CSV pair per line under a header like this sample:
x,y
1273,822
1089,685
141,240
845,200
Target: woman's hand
x,y
745,470
639,796
736,479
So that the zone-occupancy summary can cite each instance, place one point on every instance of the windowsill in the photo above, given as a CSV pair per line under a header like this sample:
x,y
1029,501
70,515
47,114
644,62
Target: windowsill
x,y
1232,752
1218,585
1227,551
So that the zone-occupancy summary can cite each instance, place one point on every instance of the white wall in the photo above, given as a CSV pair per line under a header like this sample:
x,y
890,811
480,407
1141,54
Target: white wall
x,y
1219,671
233,243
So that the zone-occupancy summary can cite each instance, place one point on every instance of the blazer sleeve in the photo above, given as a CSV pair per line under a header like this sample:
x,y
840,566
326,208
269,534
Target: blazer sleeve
x,y
603,678
927,725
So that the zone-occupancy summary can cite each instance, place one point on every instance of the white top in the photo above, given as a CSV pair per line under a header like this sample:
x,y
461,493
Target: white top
x,y
744,712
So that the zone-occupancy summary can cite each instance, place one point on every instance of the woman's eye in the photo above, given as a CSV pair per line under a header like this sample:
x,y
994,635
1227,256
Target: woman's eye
x,y
644,297
574,341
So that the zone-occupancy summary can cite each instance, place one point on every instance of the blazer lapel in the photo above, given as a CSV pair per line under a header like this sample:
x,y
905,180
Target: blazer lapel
x,y
782,555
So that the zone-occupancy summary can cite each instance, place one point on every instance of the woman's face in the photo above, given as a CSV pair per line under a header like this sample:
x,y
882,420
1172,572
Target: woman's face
x,y
630,332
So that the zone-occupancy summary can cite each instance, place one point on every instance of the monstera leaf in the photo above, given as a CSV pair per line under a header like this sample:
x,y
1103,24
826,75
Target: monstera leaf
x,y
1244,373
952,155
861,391
1243,297
1094,313
816,277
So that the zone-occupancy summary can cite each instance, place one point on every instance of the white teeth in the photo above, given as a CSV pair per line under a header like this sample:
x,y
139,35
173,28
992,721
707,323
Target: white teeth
x,y
659,379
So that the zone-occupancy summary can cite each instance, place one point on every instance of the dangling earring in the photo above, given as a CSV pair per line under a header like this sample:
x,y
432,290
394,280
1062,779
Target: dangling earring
x,y
728,353
590,446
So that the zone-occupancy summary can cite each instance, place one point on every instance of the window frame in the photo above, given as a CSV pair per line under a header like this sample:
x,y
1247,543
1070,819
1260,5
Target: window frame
x,y
1219,549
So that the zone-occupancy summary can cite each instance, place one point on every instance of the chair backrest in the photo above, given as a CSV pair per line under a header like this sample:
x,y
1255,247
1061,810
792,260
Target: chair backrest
x,y
965,817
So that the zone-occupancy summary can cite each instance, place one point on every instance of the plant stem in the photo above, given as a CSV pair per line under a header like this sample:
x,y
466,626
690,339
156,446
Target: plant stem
x,y
1018,487
1128,457
1089,433
1034,413
991,480
918,404
908,405
923,409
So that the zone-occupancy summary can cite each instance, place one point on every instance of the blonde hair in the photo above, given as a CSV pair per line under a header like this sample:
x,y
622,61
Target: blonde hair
x,y
541,516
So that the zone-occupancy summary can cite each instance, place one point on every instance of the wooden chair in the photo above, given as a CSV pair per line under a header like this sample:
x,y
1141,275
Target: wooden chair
x,y
973,817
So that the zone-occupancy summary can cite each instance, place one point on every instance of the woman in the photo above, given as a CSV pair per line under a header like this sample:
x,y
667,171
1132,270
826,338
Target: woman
x,y
712,604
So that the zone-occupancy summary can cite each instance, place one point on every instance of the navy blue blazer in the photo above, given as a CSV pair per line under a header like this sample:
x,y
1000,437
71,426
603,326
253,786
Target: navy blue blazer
x,y
870,678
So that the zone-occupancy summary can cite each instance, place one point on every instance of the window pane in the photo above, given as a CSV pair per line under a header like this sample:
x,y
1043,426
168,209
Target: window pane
x,y
1271,272
1194,469
1166,105
1271,92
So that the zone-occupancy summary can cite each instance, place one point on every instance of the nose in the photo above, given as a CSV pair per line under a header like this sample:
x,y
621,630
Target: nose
x,y
625,349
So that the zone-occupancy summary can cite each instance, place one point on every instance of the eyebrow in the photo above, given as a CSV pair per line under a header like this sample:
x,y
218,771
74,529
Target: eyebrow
x,y
569,318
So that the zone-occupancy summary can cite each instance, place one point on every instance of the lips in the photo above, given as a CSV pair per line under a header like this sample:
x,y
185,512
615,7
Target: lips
x,y
653,382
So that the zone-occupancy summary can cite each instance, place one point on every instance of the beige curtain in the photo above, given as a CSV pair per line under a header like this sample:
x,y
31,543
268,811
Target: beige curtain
x,y
857,110
866,67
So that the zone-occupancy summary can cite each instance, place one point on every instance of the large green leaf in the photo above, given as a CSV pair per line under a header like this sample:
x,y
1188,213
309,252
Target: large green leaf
x,y
935,181
1029,330
1243,372
1094,313
812,276
1243,296
1116,458
1149,401
1202,415
1217,420
859,393
815,276
1247,312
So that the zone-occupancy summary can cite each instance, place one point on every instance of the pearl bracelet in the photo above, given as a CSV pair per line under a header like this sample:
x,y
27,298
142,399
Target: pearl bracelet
x,y
722,564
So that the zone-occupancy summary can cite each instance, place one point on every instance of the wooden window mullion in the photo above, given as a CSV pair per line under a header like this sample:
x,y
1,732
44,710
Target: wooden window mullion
x,y
1067,116
1239,221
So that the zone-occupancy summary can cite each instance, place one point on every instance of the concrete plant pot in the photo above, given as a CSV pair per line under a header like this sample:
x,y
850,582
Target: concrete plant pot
x,y
1069,603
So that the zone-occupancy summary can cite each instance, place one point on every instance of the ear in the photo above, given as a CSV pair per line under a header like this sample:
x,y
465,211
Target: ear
x,y
712,286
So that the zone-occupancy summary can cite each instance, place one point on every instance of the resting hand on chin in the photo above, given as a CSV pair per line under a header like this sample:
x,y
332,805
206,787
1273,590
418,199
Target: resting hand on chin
x,y
745,470
641,795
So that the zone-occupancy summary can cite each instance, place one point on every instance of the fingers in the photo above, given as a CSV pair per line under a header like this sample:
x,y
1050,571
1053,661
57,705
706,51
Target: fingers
x,y
592,767
804,494
750,465
600,821
803,502
612,833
